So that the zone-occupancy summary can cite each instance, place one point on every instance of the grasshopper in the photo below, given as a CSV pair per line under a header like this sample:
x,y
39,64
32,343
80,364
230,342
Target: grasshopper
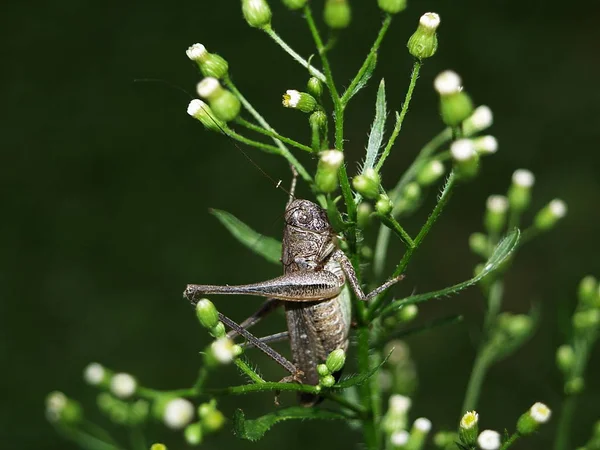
x,y
312,291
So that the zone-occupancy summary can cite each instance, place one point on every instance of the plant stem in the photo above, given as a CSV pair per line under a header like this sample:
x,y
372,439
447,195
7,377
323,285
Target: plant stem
x,y
411,87
273,35
264,387
137,439
273,134
393,224
563,430
248,371
369,427
511,440
478,373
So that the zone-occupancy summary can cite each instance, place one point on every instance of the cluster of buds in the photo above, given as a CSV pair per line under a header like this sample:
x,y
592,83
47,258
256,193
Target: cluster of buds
x,y
572,358
333,364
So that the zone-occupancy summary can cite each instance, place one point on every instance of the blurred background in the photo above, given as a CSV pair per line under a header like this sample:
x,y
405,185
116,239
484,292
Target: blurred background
x,y
106,185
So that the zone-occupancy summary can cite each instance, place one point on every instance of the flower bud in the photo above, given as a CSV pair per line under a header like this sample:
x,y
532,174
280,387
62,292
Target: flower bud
x,y
519,192
207,313
495,214
257,13
326,178
481,119
218,331
314,87
299,100
515,325
583,321
409,197
455,105
418,434
423,43
210,64
123,385
489,440
193,434
384,205
213,420
479,244
430,173
327,381
469,428
407,313
395,418
223,350
574,386
318,119
548,216
337,14
367,184
565,358
466,160
392,6
529,422
364,215
588,293
178,413
336,360
223,103
485,145
322,370
399,439
95,374
158,446
60,408
201,111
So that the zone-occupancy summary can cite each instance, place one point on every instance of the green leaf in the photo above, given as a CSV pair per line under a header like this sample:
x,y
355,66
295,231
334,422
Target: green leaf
x,y
360,378
502,251
254,430
335,218
377,129
265,246
362,82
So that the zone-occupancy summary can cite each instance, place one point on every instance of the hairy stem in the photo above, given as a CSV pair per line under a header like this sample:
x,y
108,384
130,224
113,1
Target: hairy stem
x,y
511,440
369,427
272,133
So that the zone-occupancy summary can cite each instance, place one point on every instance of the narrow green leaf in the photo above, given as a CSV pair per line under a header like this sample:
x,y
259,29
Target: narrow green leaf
x,y
265,246
360,378
502,251
335,218
254,430
362,82
436,323
377,129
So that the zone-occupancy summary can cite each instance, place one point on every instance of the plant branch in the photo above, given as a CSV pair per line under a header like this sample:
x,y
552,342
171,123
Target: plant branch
x,y
272,133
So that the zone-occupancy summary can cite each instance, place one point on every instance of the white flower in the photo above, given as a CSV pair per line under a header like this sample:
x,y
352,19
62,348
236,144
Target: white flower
x,y
469,420
399,404
223,350
94,374
558,208
540,412
123,385
422,424
447,82
462,150
178,413
481,119
497,204
195,107
207,87
332,158
399,438
489,440
196,52
291,98
430,21
486,144
523,178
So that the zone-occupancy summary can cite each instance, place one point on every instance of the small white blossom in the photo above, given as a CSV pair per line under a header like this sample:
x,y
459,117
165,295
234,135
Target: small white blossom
x,y
291,98
223,350
399,438
462,150
178,413
486,144
469,420
332,158
523,178
489,440
481,119
558,208
207,87
497,204
123,385
430,21
196,52
447,82
540,412
94,374
195,107
423,425
399,404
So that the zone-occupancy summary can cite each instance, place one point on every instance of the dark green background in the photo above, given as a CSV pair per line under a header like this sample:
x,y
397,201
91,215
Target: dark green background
x,y
106,185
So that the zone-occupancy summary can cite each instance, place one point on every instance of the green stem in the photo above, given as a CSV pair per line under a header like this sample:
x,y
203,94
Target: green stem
x,y
267,386
411,87
367,62
564,423
273,134
248,371
393,224
137,439
369,427
273,35
358,409
86,440
511,440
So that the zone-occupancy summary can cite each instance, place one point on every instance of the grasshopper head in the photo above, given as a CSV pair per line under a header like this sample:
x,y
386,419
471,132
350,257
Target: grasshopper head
x,y
307,216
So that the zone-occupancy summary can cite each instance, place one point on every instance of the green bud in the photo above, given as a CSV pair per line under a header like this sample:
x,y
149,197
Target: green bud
x,y
210,64
326,178
529,422
455,104
218,331
485,145
481,119
294,4
392,6
257,13
364,215
318,119
337,14
202,112
322,370
367,184
547,217
207,313
519,192
411,193
574,386
588,293
565,358
395,418
466,160
407,313
138,412
314,87
469,428
515,325
335,361
327,381
206,408
430,173
299,100
418,434
366,252
583,321
213,421
225,104
495,214
193,433
158,447
445,440
384,205
423,43
479,244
